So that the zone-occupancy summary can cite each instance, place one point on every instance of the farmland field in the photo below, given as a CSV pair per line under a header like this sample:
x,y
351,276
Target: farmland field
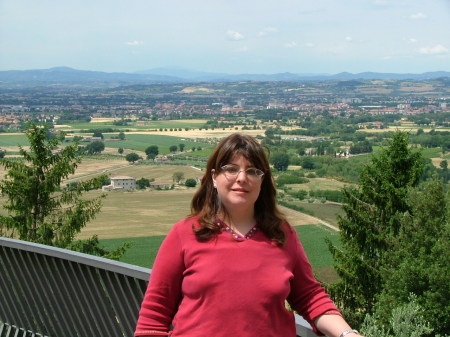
x,y
144,248
325,211
100,123
189,128
140,142
151,212
13,140
315,184
145,216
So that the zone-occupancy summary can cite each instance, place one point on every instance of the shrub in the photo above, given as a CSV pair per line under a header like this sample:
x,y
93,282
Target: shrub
x,y
330,195
406,321
190,182
290,179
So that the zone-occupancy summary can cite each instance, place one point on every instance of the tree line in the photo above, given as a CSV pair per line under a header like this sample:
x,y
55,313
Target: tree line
x,y
395,236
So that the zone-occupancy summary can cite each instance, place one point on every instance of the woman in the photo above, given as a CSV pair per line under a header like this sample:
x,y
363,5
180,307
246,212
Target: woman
x,y
228,269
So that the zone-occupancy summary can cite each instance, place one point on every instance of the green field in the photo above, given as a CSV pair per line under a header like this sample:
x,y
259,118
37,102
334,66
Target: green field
x,y
144,249
13,140
139,142
154,125
136,142
326,211
315,184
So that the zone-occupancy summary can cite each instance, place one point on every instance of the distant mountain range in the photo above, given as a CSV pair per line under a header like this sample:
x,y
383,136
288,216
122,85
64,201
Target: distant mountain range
x,y
66,75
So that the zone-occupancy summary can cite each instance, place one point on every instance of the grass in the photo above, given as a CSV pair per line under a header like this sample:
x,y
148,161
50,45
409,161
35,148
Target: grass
x,y
162,174
167,124
327,211
429,153
138,214
315,184
144,249
13,140
141,253
312,238
139,142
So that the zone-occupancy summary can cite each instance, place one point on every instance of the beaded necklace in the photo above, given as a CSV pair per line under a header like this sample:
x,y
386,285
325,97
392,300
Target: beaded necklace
x,y
236,235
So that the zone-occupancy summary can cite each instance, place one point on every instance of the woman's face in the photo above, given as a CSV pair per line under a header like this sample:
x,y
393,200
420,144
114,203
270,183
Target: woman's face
x,y
237,188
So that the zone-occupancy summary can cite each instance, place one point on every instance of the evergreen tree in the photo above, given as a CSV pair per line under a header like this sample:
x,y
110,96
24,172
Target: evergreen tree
x,y
38,210
372,215
419,262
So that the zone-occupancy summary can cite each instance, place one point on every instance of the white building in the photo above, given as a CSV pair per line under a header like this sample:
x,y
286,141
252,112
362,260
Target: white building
x,y
121,183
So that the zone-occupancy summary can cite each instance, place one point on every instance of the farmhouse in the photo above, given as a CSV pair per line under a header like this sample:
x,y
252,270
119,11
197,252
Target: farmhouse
x,y
121,183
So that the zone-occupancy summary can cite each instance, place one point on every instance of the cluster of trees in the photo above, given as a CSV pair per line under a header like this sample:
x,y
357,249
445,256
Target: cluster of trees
x,y
144,183
432,139
395,242
94,147
174,148
361,147
152,151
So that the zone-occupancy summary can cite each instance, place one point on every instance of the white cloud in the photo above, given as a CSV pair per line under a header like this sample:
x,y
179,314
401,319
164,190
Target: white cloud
x,y
309,45
412,40
267,30
291,44
437,49
234,35
417,16
348,38
135,43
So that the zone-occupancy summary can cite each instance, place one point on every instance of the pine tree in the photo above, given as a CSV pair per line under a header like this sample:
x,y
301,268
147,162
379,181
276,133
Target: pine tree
x,y
372,212
419,262
39,210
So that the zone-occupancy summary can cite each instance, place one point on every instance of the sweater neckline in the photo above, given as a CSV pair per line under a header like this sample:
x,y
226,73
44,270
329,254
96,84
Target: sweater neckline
x,y
239,237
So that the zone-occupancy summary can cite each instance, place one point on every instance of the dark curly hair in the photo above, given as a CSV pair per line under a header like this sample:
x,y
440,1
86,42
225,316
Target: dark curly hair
x,y
205,205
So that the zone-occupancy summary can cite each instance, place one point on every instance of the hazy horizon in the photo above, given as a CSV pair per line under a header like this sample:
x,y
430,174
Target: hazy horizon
x,y
173,69
233,37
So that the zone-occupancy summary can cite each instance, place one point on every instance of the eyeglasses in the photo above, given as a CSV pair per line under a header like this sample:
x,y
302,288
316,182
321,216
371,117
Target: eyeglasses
x,y
232,171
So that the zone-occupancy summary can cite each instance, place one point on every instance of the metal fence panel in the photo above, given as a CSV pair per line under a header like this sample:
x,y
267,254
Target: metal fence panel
x,y
51,292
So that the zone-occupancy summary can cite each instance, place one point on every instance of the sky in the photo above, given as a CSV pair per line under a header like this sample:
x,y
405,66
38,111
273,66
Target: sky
x,y
227,36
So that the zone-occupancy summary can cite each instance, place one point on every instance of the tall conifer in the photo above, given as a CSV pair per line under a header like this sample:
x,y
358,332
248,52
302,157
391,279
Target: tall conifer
x,y
38,208
372,213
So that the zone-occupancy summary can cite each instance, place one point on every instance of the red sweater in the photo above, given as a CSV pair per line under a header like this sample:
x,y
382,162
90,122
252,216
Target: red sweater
x,y
229,287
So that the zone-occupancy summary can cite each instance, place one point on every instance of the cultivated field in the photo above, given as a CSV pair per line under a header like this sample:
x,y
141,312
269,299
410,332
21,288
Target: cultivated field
x,y
216,133
315,184
151,212
147,212
406,127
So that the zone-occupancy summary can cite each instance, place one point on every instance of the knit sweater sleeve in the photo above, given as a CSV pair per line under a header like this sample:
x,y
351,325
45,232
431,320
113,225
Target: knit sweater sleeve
x,y
307,296
163,293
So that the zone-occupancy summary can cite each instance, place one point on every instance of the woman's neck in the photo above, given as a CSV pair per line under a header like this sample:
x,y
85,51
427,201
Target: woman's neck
x,y
240,223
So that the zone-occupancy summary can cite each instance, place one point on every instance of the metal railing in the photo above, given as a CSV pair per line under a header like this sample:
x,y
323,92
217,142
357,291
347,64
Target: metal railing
x,y
48,291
